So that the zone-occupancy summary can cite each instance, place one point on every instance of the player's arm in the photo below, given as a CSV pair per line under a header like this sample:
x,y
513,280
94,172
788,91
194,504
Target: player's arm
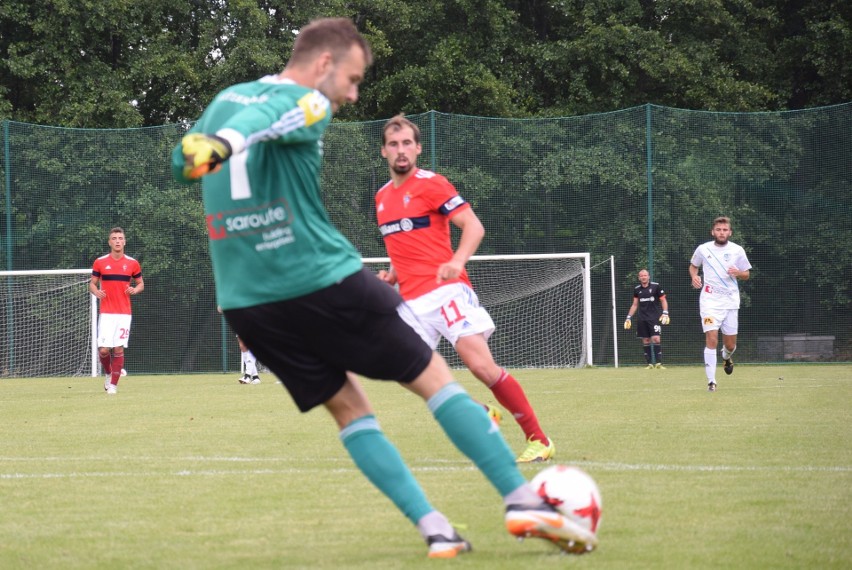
x,y
664,318
472,232
736,273
280,119
696,279
388,275
628,322
94,288
138,287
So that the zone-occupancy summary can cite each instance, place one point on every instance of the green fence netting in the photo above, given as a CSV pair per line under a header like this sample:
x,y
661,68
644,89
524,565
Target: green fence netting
x,y
640,185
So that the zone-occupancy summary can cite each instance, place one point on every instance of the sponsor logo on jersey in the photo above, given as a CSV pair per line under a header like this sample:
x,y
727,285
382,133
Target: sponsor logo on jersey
x,y
451,204
262,218
404,225
243,99
315,106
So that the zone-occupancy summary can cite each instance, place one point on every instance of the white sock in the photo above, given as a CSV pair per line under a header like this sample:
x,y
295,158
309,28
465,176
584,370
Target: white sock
x,y
725,354
710,364
524,496
250,363
434,523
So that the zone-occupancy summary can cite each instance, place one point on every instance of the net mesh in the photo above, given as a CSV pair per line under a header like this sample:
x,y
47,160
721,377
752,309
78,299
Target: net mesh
x,y
46,323
639,184
537,308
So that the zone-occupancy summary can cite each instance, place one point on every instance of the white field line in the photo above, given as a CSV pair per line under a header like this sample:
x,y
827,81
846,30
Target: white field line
x,y
322,466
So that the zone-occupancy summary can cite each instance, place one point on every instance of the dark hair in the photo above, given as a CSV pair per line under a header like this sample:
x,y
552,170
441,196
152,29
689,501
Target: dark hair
x,y
116,230
400,122
336,35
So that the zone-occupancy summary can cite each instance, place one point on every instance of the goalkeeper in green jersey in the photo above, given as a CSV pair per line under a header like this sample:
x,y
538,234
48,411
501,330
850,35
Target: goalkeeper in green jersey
x,y
295,291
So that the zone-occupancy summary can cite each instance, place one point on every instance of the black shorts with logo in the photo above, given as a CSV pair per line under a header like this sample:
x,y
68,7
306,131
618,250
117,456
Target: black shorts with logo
x,y
646,328
311,341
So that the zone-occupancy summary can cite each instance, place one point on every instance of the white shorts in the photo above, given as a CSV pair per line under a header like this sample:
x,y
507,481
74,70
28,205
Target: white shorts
x,y
451,311
727,320
113,330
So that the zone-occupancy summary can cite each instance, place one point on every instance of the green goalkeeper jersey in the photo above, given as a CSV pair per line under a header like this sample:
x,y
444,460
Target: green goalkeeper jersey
x,y
270,235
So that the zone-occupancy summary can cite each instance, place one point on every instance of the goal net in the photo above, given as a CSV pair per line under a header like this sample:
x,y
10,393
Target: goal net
x,y
48,324
540,304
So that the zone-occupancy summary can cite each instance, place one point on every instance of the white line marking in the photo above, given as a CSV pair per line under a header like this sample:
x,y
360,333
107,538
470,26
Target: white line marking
x,y
433,466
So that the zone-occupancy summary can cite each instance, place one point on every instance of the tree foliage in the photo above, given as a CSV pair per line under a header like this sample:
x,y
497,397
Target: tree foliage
x,y
120,63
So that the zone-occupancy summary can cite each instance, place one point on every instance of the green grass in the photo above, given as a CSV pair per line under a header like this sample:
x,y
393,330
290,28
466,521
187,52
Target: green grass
x,y
199,472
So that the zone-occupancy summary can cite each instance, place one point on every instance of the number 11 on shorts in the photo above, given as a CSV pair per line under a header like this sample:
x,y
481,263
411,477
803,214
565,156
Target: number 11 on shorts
x,y
451,313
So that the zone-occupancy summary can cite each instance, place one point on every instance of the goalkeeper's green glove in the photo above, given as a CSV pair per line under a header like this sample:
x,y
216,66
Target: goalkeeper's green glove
x,y
664,318
628,323
203,154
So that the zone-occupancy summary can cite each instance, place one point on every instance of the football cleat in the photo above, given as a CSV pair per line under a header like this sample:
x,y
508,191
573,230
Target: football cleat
x,y
244,379
659,366
255,380
548,523
711,387
112,389
442,547
649,367
494,413
536,451
729,366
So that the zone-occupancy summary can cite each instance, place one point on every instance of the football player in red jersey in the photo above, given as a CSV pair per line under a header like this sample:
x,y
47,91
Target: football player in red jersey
x,y
414,210
115,277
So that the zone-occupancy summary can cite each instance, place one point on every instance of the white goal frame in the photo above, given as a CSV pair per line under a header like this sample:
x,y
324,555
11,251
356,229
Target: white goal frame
x,y
93,304
587,290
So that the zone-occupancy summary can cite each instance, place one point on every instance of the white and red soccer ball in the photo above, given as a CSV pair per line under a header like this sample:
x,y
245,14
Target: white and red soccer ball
x,y
574,494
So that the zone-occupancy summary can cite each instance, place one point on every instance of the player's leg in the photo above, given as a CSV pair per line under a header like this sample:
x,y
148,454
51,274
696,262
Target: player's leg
x,y
729,330
657,348
250,363
121,339
309,343
244,377
379,461
474,352
470,429
643,332
711,343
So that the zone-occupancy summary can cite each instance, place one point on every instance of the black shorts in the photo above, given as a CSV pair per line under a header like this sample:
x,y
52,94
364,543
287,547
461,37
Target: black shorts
x,y
310,342
648,328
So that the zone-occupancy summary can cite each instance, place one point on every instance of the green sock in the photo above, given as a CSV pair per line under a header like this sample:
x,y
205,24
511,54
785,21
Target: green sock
x,y
382,464
474,434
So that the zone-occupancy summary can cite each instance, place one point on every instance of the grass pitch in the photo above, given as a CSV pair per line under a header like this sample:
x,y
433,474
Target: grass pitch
x,y
199,472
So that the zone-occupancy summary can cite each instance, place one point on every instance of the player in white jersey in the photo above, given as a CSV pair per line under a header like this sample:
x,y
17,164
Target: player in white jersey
x,y
722,262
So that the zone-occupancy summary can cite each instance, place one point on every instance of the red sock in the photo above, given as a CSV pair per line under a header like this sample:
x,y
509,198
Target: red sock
x,y
105,363
511,396
117,365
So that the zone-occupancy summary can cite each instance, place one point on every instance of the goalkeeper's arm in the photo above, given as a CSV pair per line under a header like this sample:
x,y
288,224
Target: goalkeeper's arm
x,y
200,154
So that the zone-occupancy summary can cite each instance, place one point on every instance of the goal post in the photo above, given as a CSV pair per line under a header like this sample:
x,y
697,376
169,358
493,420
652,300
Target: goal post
x,y
48,323
541,305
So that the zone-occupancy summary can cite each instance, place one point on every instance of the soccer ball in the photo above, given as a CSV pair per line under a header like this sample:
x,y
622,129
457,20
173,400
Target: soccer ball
x,y
574,494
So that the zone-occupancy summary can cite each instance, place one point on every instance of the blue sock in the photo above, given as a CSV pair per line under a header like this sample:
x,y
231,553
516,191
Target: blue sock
x,y
382,464
474,434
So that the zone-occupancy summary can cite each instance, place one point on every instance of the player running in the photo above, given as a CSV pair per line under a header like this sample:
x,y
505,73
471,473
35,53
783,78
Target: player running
x,y
414,210
723,262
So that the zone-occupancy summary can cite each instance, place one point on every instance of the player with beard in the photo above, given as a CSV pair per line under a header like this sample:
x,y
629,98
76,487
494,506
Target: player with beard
x,y
414,210
722,262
